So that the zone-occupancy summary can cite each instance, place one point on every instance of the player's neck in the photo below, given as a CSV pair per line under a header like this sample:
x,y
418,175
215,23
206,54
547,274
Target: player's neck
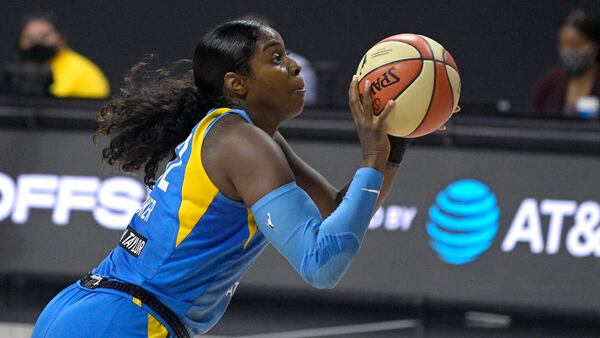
x,y
265,121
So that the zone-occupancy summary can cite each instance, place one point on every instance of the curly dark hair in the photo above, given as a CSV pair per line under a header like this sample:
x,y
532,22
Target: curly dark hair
x,y
156,109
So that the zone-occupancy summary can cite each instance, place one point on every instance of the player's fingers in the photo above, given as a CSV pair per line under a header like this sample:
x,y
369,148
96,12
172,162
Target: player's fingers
x,y
353,98
389,106
352,94
367,101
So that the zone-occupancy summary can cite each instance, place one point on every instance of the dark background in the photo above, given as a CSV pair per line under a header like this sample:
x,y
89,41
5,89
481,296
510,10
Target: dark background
x,y
500,46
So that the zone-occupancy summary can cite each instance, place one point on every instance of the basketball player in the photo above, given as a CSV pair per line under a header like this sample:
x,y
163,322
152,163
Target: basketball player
x,y
233,186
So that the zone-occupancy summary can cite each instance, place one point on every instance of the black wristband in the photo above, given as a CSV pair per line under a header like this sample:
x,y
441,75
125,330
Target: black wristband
x,y
398,146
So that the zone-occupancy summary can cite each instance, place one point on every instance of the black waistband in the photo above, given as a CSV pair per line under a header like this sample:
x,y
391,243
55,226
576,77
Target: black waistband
x,y
91,281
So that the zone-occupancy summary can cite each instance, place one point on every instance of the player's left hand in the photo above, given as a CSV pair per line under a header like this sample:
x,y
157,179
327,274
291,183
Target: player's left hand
x,y
456,110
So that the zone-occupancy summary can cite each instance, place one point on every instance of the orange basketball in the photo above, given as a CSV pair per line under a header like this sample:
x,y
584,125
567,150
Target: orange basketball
x,y
419,74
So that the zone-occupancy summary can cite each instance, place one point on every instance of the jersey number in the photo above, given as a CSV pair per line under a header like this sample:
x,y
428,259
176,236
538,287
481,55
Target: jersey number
x,y
163,184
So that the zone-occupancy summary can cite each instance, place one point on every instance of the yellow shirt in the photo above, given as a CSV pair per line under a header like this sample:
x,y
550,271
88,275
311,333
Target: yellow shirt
x,y
77,76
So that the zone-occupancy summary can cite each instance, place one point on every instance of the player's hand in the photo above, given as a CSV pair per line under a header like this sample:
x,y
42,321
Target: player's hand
x,y
371,129
456,110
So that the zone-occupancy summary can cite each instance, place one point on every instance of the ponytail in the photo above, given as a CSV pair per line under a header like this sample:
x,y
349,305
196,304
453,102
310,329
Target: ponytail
x,y
155,111
158,108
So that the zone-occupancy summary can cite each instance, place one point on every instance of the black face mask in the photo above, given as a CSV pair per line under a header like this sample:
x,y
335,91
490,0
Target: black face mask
x,y
575,62
37,53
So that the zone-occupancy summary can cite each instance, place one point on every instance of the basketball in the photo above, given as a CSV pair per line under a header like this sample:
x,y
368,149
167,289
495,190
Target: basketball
x,y
419,75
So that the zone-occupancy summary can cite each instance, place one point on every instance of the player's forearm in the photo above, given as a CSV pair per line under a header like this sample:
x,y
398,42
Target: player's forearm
x,y
325,196
321,250
389,176
316,185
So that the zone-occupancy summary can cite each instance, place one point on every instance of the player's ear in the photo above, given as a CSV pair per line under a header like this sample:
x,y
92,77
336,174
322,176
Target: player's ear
x,y
235,83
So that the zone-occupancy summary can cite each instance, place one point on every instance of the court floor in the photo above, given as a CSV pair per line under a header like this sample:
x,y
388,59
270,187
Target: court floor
x,y
257,313
399,328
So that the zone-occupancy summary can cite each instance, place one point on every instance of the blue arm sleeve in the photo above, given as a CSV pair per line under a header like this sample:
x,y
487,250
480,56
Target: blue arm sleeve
x,y
320,250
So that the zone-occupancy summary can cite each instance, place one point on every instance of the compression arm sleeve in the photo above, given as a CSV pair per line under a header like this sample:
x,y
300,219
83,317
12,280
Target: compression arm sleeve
x,y
320,250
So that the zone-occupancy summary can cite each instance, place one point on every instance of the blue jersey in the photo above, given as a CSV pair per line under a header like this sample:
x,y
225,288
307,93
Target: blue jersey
x,y
188,244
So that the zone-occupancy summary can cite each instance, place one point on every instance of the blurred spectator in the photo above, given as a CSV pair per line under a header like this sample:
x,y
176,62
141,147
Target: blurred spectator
x,y
573,89
42,47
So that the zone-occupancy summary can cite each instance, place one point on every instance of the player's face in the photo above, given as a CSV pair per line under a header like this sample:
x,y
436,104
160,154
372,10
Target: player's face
x,y
274,84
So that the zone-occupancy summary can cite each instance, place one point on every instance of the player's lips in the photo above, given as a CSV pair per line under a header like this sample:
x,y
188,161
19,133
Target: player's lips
x,y
299,91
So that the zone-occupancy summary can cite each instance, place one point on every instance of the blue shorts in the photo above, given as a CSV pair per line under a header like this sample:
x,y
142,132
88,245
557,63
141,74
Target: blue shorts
x,y
80,312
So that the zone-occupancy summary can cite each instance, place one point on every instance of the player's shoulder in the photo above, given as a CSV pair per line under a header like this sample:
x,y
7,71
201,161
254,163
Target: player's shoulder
x,y
242,158
235,139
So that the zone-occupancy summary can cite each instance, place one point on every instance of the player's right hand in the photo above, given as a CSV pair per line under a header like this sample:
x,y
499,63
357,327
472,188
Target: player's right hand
x,y
370,127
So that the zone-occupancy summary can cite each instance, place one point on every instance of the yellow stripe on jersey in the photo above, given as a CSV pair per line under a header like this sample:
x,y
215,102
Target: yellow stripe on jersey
x,y
198,191
251,228
137,301
155,328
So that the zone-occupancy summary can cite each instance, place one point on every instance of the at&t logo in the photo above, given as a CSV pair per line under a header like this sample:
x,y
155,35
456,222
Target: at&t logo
x,y
463,221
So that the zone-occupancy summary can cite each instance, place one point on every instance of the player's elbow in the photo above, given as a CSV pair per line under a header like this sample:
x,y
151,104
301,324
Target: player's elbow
x,y
323,284
325,267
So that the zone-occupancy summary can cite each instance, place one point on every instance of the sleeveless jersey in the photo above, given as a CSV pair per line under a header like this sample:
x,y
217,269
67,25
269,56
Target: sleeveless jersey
x,y
188,244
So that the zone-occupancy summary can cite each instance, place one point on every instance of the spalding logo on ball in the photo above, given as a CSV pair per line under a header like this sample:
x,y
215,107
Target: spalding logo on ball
x,y
419,74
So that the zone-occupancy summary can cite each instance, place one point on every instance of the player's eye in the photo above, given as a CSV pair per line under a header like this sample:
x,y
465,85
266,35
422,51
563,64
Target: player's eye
x,y
277,58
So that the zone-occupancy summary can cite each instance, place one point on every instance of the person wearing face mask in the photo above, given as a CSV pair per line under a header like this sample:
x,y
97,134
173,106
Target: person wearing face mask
x,y
42,45
563,91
